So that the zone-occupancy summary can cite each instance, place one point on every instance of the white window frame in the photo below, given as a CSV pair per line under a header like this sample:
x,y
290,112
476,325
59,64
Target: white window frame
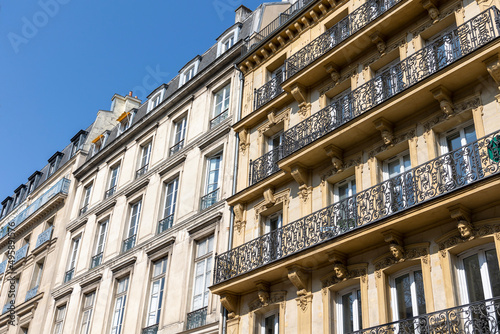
x,y
59,320
75,250
101,236
155,310
156,100
266,315
206,258
189,73
392,283
179,134
356,310
207,184
87,193
172,204
119,309
125,124
226,100
87,312
134,219
36,279
113,179
222,45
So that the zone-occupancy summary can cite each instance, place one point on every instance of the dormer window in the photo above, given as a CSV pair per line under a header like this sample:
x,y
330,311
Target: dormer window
x,y
156,97
189,74
33,181
78,140
227,40
19,194
99,142
125,121
189,71
6,205
54,162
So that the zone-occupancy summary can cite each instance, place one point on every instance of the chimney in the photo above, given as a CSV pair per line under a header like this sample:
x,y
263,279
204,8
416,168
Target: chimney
x,y
130,93
242,13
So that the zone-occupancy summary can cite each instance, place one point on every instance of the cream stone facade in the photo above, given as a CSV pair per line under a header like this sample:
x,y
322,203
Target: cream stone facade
x,y
368,188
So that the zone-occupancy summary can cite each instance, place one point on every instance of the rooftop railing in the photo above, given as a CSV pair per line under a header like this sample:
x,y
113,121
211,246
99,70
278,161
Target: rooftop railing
x,y
454,170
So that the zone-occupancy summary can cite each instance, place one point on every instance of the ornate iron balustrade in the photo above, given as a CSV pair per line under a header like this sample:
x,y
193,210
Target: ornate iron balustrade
x,y
268,91
44,237
479,318
69,275
31,293
468,37
96,260
339,32
177,147
60,187
218,119
110,192
266,165
456,169
209,199
21,253
165,223
3,266
196,318
150,330
128,243
141,171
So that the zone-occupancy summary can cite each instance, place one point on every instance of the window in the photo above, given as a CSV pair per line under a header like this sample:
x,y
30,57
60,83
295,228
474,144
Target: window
x,y
227,44
169,208
72,259
86,199
87,306
442,49
349,310
179,135
130,237
156,292
6,205
59,319
99,142
189,74
272,227
54,162
212,185
144,160
33,181
99,247
155,101
399,190
388,81
270,323
78,140
345,212
125,121
407,293
113,181
119,309
37,275
18,195
278,76
340,108
221,106
202,272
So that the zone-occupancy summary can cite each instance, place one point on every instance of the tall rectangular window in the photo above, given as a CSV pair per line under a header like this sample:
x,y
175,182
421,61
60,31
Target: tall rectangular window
x,y
37,275
99,247
212,185
169,209
156,292
221,106
87,307
119,308
144,161
72,260
349,310
86,199
130,237
59,319
408,298
202,272
179,135
113,181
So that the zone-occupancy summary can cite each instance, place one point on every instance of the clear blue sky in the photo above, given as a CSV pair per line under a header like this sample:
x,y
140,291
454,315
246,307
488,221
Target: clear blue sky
x,y
62,61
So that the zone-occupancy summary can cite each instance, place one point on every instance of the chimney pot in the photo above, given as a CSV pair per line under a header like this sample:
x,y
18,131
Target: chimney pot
x,y
130,93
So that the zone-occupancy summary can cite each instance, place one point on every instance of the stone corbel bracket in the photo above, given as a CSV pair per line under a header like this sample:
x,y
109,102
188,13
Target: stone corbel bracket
x,y
430,6
463,217
230,302
443,96
239,217
300,279
269,199
392,236
334,72
336,256
378,40
337,155
301,175
299,93
386,129
493,66
244,137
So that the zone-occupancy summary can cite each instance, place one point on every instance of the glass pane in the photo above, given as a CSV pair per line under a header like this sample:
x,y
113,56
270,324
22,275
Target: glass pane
x,y
210,245
454,142
493,272
360,319
470,134
347,312
403,297
419,287
407,162
343,191
473,278
269,324
394,168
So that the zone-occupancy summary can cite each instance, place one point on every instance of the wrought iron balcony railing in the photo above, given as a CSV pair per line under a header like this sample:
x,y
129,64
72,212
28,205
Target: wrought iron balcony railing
x,y
465,39
268,91
110,192
209,199
141,171
456,169
266,165
69,275
60,187
21,253
165,224
128,243
218,119
339,32
31,293
150,330
177,147
479,318
44,237
3,266
196,318
96,260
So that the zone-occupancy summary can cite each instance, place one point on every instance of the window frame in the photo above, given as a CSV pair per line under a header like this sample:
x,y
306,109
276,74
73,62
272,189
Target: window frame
x,y
113,180
225,93
57,320
204,258
178,143
117,295
357,310
162,277
393,290
85,309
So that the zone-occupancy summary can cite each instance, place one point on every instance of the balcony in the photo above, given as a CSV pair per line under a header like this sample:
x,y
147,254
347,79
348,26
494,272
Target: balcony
x,y
150,330
454,170
266,165
165,224
128,243
218,119
268,92
209,199
339,32
60,187
196,318
110,192
21,253
451,47
177,147
31,293
96,260
44,237
479,318
141,171
69,275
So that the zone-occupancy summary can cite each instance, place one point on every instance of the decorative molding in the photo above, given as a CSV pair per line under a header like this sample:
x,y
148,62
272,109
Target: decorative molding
x,y
299,278
274,119
411,252
230,301
303,302
493,67
333,70
359,270
239,215
330,171
454,237
336,155
443,96
378,40
466,104
432,10
271,199
244,137
386,129
274,298
404,136
345,75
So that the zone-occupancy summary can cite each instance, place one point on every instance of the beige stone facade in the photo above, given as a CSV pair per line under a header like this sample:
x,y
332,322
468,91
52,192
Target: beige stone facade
x,y
368,181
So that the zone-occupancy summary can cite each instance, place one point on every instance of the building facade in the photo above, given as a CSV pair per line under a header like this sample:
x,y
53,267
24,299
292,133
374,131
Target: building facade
x,y
368,180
